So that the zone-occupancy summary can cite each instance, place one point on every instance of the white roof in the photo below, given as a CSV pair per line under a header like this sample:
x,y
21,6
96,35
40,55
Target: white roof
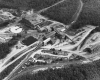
x,y
16,29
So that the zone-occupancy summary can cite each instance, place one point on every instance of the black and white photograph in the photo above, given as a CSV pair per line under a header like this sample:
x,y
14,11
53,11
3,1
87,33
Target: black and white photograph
x,y
49,39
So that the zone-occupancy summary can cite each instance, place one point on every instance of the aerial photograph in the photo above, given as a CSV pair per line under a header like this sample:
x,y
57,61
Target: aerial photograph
x,y
49,39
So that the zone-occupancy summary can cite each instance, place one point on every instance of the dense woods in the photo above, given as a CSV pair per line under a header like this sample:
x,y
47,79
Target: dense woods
x,y
89,71
5,48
